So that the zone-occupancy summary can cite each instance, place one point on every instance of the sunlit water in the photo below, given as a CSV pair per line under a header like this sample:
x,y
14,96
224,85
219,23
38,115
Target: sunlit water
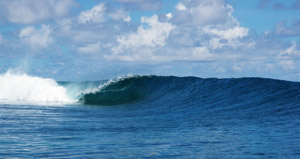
x,y
71,131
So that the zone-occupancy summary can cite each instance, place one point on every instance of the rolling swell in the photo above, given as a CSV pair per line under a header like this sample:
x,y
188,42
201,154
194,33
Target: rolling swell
x,y
256,95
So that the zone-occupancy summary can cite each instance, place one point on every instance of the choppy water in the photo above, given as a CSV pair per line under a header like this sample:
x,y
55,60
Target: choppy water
x,y
154,117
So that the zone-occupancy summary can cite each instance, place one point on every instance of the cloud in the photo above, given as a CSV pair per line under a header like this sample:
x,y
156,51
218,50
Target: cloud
x,y
76,34
100,13
90,48
282,29
31,11
238,67
287,65
198,37
207,23
290,52
151,34
162,55
169,16
169,40
287,57
36,38
200,53
204,12
145,5
95,15
229,35
150,43
180,7
120,14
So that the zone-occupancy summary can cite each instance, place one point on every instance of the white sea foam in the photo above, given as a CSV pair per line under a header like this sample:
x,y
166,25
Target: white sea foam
x,y
16,87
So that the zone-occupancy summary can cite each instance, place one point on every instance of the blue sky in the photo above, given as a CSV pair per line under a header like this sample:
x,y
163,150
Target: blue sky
x,y
74,40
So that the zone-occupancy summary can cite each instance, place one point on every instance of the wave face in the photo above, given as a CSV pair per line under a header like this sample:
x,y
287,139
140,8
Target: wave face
x,y
125,90
221,94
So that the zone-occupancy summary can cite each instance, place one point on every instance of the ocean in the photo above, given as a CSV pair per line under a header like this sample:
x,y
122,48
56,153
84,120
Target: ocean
x,y
149,117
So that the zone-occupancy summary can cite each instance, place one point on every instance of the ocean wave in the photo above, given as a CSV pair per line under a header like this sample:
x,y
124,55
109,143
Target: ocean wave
x,y
251,97
209,94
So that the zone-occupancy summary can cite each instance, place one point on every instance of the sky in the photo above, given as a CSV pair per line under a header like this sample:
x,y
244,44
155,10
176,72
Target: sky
x,y
79,40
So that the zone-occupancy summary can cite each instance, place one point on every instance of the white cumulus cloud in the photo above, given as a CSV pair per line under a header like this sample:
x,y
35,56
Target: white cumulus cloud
x,y
120,14
180,7
95,15
204,12
151,34
230,35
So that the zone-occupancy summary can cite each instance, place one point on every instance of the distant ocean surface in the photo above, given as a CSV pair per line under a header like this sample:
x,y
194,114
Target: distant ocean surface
x,y
149,117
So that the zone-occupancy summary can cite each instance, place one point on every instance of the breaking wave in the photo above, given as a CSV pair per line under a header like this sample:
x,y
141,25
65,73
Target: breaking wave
x,y
16,87
220,94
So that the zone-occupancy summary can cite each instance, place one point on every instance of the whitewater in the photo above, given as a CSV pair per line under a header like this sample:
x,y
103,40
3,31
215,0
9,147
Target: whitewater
x,y
21,87
24,88
149,117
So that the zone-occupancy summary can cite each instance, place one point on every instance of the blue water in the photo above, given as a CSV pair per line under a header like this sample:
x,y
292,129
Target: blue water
x,y
161,117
